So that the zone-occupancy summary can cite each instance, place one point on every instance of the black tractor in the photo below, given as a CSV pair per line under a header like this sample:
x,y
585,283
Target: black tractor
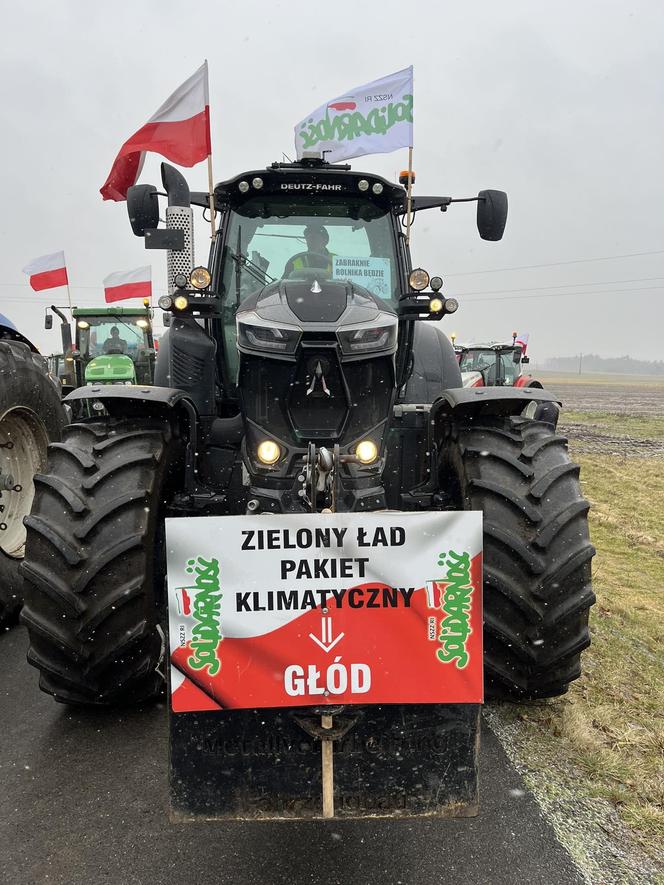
x,y
304,370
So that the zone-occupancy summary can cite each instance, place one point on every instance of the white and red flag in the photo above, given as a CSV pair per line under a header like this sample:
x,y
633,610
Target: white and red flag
x,y
47,271
522,339
179,131
128,284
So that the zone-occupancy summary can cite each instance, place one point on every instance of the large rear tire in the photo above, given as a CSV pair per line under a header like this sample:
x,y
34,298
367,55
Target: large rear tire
x,y
31,414
94,563
537,553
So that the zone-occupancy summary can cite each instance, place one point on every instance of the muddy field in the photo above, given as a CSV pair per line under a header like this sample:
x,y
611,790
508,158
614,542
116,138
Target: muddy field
x,y
615,415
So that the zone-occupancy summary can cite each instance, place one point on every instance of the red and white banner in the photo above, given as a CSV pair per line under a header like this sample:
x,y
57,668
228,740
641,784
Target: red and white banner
x,y
128,284
352,608
179,131
47,271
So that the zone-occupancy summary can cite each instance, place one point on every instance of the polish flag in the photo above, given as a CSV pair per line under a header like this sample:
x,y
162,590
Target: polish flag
x,y
179,131
47,271
523,341
128,284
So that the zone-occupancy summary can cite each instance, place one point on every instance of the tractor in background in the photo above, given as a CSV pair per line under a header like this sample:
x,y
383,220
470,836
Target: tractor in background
x,y
111,345
31,417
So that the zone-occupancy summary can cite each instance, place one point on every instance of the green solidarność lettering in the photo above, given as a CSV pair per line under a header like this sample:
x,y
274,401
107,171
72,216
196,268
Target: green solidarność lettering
x,y
353,124
457,602
206,634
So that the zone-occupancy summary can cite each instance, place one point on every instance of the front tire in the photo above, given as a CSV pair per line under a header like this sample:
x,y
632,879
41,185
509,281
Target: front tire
x,y
94,564
537,553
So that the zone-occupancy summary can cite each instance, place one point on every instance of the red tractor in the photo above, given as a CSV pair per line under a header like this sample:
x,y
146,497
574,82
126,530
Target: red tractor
x,y
495,364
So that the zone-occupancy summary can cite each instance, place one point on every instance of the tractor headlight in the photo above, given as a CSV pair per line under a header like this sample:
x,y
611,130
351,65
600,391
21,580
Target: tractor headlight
x,y
200,278
418,279
181,302
366,451
268,452
451,305
165,302
365,339
256,336
181,280
435,305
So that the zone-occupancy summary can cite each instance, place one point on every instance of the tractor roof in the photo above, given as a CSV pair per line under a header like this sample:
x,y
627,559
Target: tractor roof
x,y
313,178
494,345
110,311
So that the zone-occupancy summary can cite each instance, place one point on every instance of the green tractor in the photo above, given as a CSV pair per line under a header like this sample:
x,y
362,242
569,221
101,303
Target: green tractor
x,y
112,345
304,370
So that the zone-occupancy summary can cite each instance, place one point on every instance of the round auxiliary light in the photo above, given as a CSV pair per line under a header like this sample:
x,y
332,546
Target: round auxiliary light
x,y
82,324
181,302
165,302
436,305
268,452
257,183
200,278
181,280
436,283
243,187
142,324
418,279
363,184
377,188
366,451
451,305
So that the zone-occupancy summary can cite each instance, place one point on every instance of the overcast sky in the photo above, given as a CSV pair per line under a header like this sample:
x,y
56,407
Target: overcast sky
x,y
560,104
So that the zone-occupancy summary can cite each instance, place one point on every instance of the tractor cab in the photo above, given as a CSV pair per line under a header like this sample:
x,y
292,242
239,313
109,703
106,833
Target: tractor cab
x,y
493,365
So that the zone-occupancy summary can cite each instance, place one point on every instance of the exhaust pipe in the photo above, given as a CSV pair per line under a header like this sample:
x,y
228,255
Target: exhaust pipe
x,y
179,216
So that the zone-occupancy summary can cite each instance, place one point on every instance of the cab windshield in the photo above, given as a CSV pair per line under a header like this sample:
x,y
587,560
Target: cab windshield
x,y
497,367
276,237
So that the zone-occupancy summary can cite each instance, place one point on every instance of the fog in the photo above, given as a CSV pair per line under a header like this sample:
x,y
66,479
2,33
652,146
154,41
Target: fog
x,y
558,104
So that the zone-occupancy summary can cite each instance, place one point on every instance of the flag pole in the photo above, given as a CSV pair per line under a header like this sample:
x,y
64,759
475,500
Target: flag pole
x,y
409,193
211,191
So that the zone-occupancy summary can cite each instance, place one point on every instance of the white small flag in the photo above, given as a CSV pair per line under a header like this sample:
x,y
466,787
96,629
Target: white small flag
x,y
128,284
47,271
376,118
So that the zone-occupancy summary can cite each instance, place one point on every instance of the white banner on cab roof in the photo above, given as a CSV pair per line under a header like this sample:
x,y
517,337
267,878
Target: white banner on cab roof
x,y
376,118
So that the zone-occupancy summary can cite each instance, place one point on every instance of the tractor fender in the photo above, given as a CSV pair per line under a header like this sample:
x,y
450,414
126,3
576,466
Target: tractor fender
x,y
121,399
9,331
465,402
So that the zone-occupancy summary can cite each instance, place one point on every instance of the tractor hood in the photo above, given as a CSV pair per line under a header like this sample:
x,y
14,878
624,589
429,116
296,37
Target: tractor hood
x,y
110,369
277,318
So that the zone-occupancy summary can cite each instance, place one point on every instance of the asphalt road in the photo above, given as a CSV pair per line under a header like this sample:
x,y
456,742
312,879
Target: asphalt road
x,y
83,799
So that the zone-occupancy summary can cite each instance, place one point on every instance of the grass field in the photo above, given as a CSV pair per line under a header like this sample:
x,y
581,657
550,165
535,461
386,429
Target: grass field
x,y
607,733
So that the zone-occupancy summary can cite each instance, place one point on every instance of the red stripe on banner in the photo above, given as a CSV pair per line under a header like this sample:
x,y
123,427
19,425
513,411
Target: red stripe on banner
x,y
185,142
398,642
128,290
49,279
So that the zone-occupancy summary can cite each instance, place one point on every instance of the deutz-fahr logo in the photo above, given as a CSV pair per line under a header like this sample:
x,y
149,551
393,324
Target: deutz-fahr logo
x,y
309,186
206,633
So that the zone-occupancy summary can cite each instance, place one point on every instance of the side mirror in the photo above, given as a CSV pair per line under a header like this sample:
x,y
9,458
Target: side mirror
x,y
166,319
491,214
525,360
143,208
48,321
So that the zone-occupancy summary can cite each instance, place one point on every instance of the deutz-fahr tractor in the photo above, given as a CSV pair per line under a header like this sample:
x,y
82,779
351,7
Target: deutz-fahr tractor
x,y
111,345
304,370
30,416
